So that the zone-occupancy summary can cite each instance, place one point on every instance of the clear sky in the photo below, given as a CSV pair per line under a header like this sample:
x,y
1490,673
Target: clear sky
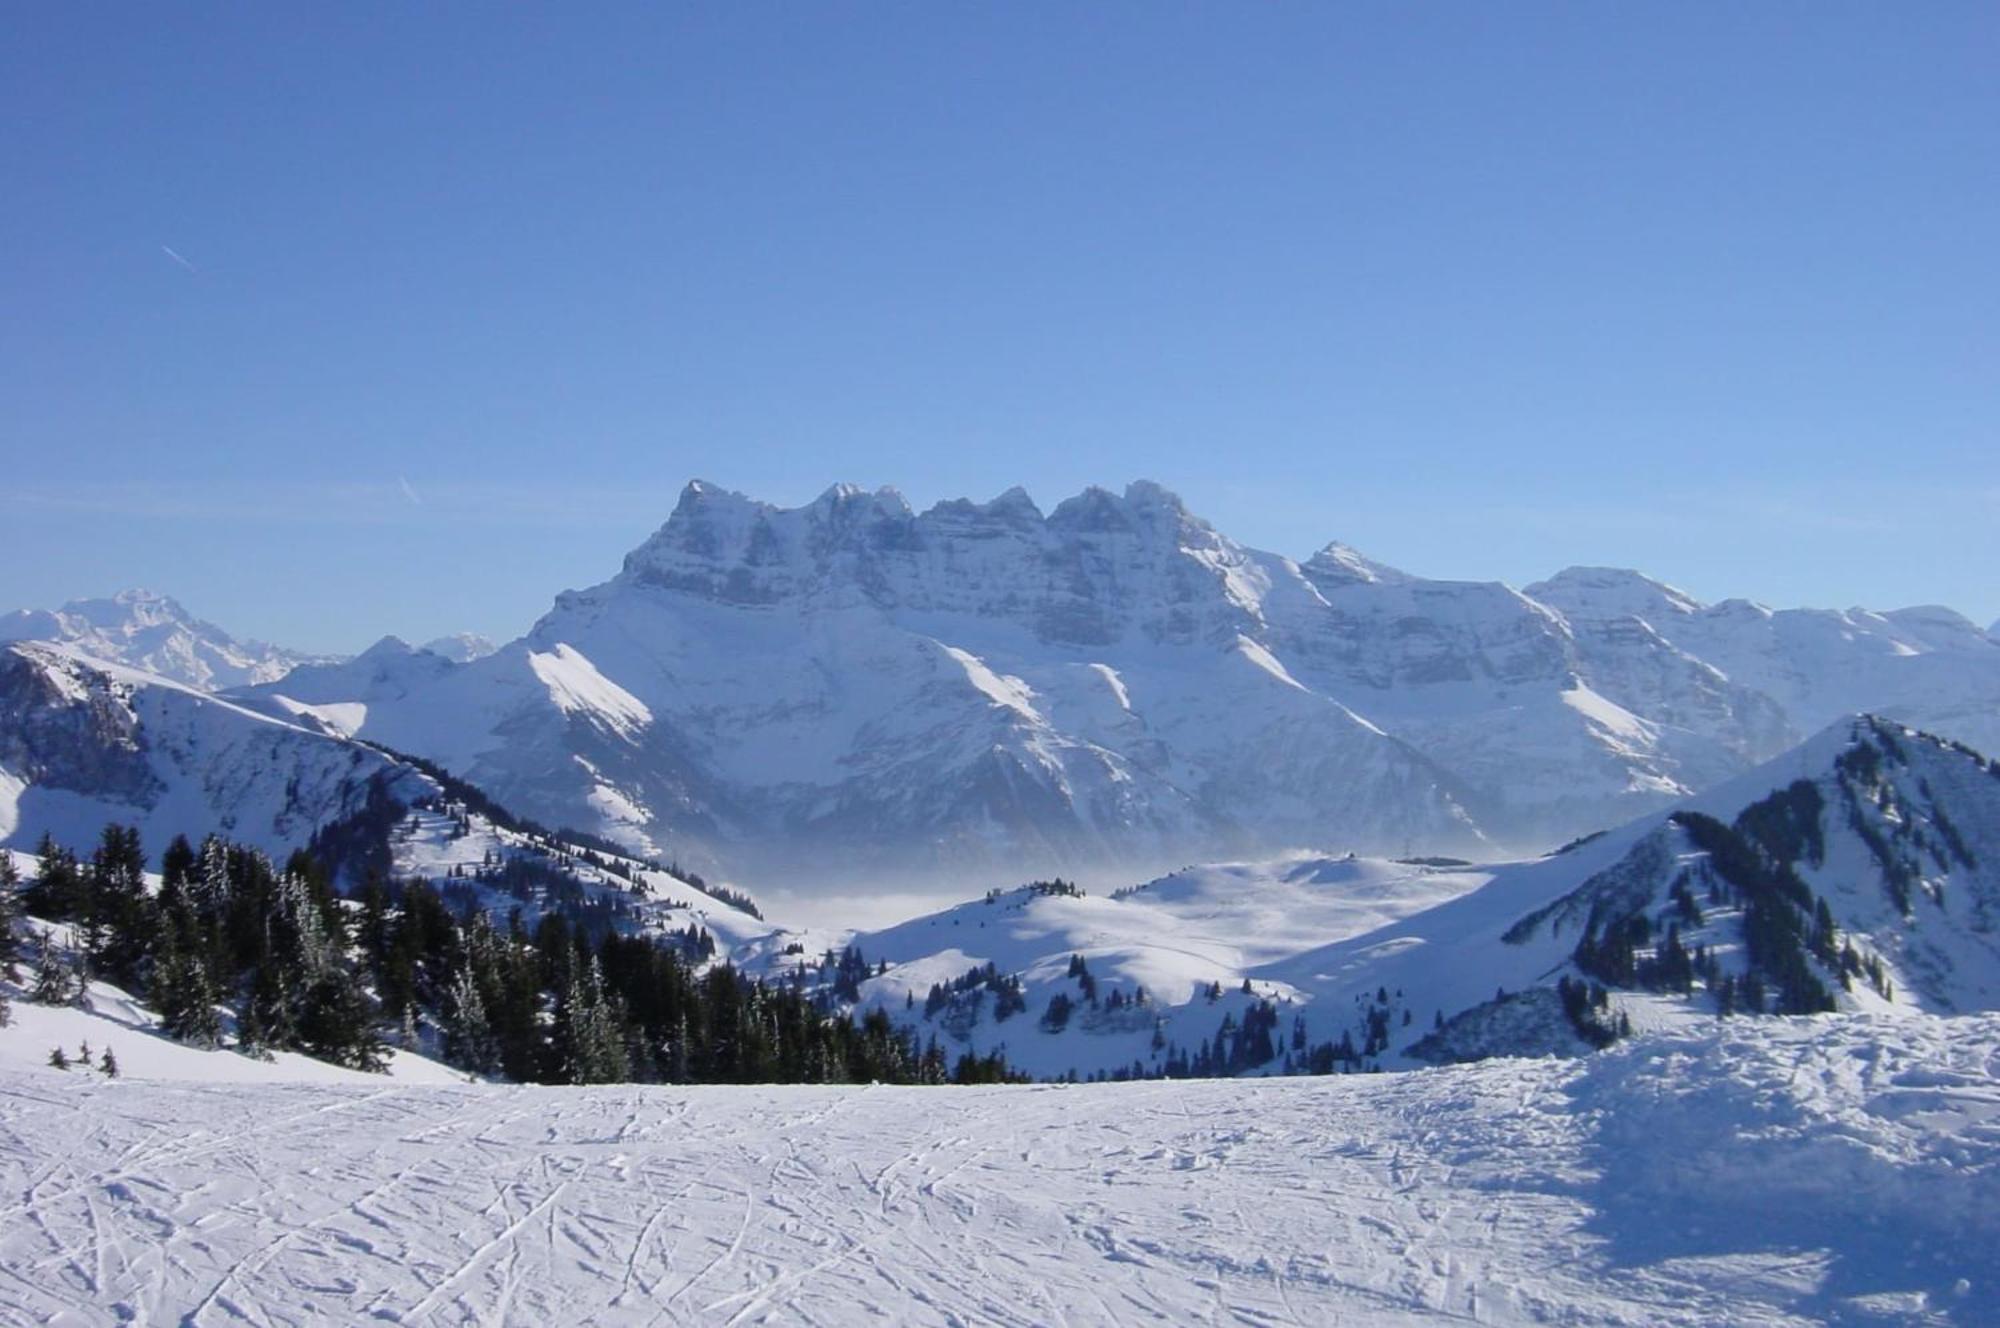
x,y
404,317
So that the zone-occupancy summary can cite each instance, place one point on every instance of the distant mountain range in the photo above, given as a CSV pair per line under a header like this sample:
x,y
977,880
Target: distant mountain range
x,y
851,691
152,632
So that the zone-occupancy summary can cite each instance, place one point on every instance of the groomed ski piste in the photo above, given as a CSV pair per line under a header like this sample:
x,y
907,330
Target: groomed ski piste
x,y
1841,1168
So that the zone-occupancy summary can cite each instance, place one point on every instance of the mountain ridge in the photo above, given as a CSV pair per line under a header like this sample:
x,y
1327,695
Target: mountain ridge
x,y
991,689
850,689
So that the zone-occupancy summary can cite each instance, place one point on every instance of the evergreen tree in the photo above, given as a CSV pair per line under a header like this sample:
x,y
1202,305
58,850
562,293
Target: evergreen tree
x,y
58,1059
182,990
52,980
469,1040
120,912
337,1022
177,866
57,891
589,1043
266,1024
10,913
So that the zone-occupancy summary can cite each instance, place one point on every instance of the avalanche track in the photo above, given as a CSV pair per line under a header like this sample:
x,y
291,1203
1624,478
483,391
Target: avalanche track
x,y
1838,1168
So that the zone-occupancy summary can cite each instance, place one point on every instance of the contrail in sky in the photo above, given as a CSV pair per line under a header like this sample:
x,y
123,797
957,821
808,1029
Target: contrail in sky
x,y
409,491
168,251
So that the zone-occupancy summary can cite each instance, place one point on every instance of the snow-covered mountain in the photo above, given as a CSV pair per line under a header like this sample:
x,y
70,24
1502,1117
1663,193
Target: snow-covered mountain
x,y
84,742
1860,872
1927,666
460,647
852,689
152,632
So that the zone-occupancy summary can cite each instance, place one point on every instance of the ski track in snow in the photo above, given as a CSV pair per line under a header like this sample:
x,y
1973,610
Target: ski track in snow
x,y
1844,1168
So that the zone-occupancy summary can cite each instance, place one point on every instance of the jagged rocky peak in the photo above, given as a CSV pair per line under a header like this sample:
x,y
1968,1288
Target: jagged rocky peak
x,y
1145,508
1612,592
1012,513
853,541
1339,565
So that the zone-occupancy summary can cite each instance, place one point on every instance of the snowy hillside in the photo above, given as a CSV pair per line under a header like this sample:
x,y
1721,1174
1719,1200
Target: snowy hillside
x,y
155,634
500,865
1838,1169
850,691
1858,872
84,742
1152,958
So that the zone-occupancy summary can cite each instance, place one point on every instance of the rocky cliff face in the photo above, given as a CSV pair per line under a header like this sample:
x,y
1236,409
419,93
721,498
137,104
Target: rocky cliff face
x,y
852,688
84,742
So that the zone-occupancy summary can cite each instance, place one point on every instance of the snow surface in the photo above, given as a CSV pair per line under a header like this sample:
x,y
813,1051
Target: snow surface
x,y
1840,1168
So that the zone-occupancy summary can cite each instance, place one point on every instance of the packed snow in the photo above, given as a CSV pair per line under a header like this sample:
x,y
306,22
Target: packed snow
x,y
1771,1172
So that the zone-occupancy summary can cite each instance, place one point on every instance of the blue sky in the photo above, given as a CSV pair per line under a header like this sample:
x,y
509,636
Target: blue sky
x,y
403,318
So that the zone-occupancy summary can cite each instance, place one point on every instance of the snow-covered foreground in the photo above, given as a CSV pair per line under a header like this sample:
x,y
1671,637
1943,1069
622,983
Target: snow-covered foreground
x,y
1836,1168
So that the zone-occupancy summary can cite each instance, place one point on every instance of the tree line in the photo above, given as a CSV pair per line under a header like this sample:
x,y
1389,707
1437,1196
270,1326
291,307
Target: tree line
x,y
235,950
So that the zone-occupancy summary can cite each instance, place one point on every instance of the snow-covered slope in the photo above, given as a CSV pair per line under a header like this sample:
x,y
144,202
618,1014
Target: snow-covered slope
x,y
153,633
1382,961
1895,833
1928,666
500,865
1155,955
84,742
1842,1169
851,690
110,1019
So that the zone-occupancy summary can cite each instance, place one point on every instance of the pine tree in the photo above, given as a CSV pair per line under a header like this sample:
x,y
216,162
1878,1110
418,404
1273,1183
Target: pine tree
x,y
121,915
182,991
56,893
52,974
469,1040
58,1060
266,1024
590,1037
10,912
337,1022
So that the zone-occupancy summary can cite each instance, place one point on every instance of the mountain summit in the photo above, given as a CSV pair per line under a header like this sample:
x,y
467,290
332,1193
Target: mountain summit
x,y
853,689
150,631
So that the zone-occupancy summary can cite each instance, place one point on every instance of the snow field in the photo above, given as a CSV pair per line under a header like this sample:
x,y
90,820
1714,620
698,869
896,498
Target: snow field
x,y
1786,1171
